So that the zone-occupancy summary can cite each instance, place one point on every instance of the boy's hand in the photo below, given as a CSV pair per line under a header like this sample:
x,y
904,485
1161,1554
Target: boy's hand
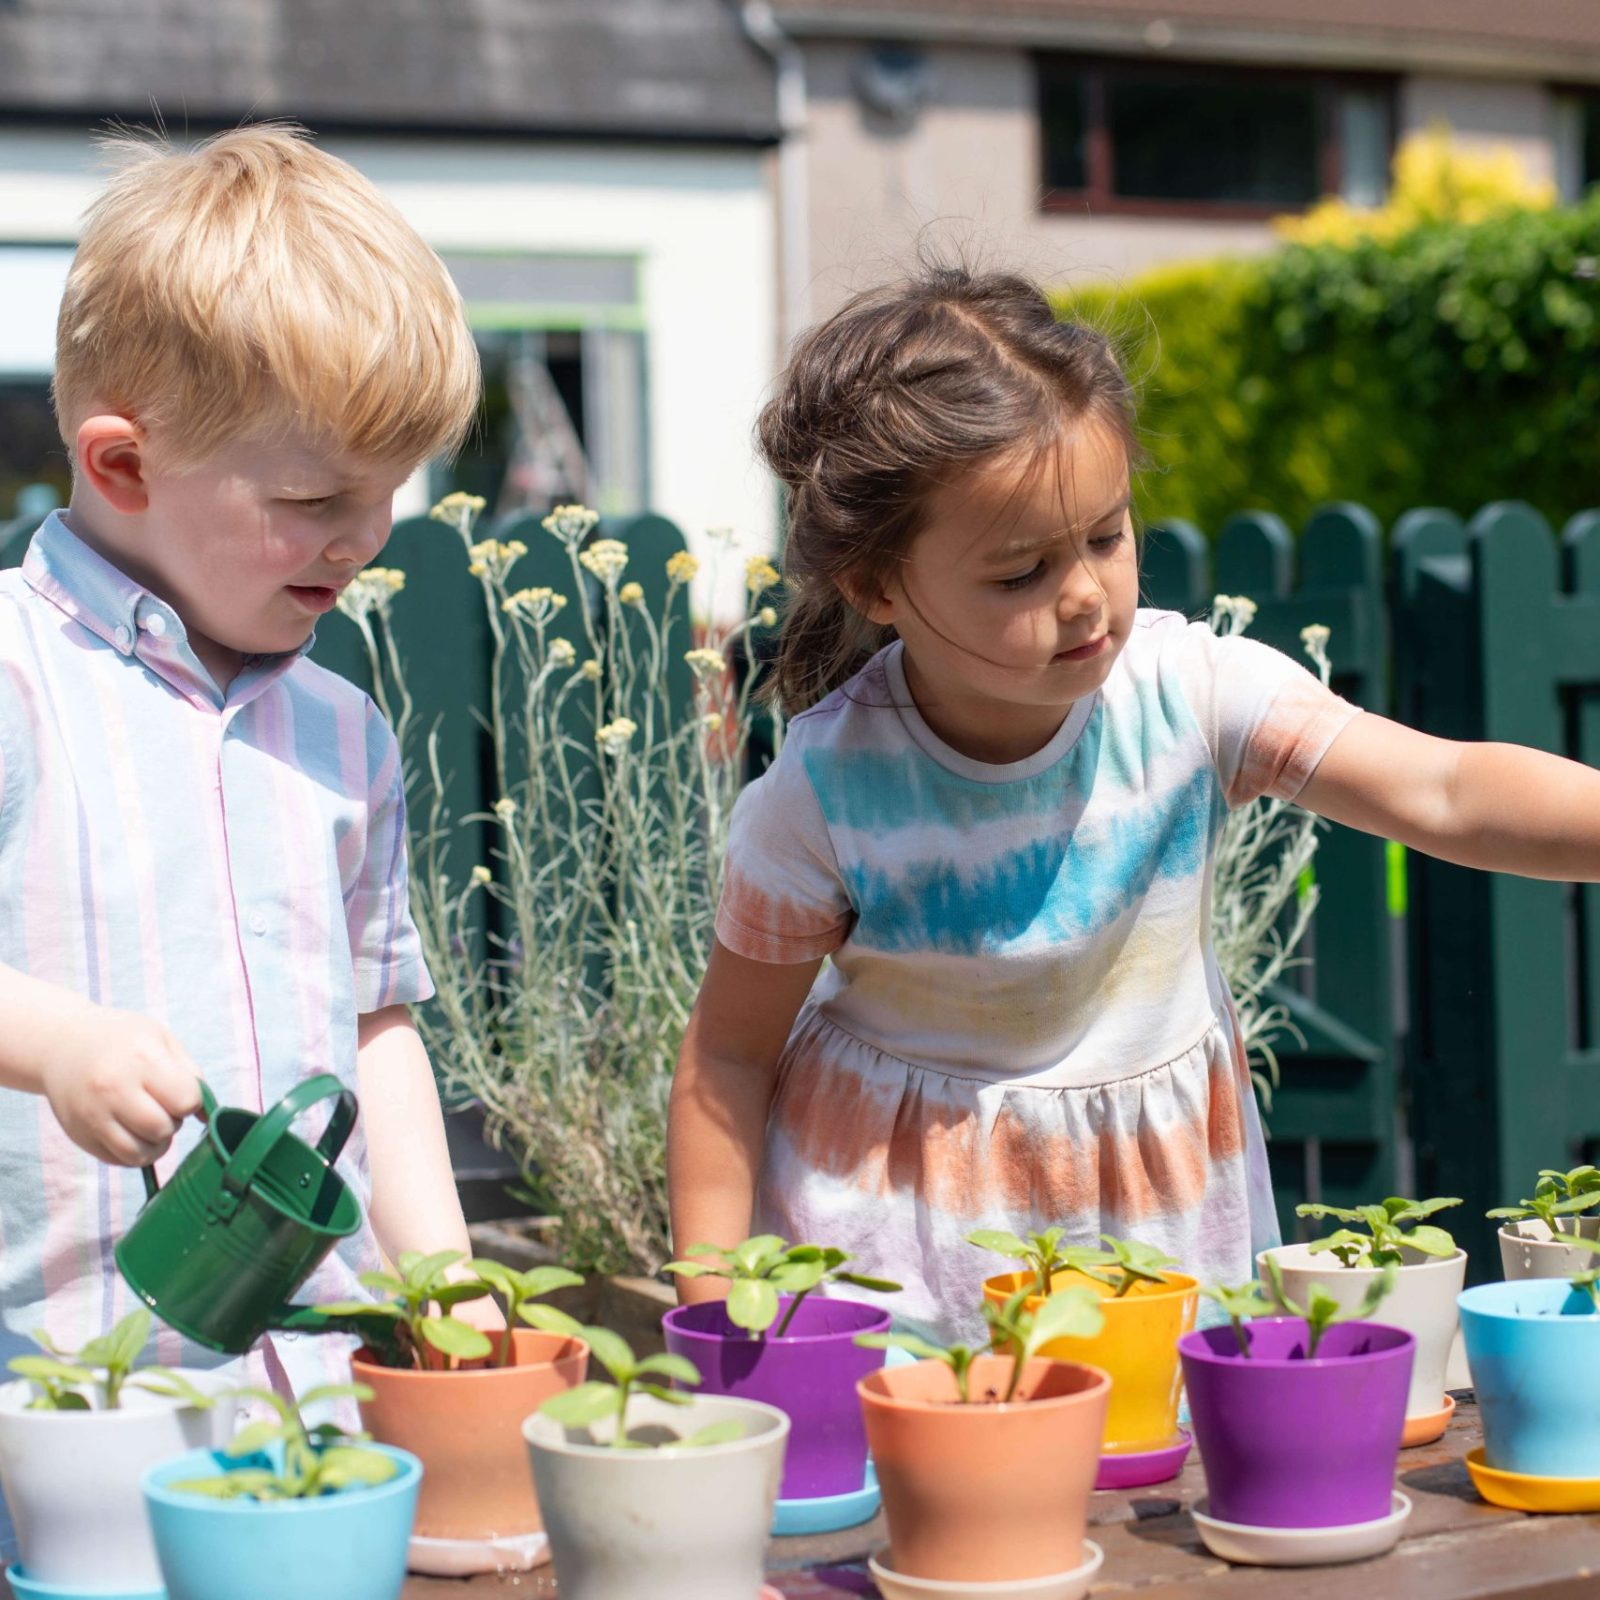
x,y
120,1085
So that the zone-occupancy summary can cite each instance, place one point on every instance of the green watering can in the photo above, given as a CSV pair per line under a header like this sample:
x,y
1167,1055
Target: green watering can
x,y
244,1221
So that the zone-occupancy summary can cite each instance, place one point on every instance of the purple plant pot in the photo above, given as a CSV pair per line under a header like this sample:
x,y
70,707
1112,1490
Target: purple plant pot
x,y
1292,1443
811,1373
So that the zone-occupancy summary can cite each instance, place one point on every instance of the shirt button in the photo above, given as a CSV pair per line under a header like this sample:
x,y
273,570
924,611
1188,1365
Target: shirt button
x,y
258,922
124,639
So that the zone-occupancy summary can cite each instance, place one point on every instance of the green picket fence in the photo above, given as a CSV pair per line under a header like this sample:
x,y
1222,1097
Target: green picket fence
x,y
1450,1021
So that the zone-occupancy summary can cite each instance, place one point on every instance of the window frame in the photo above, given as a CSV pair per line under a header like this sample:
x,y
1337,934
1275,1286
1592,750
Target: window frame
x,y
1097,72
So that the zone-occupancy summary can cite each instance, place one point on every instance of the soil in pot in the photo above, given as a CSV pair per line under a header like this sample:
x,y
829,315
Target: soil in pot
x,y
810,1373
984,1492
1291,1442
466,1429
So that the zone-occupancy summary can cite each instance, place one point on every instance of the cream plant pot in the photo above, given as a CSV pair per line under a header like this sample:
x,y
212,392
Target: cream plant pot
x,y
71,1479
1422,1303
666,1523
1529,1250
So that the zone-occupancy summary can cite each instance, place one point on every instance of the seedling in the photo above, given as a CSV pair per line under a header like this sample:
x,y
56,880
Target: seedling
x,y
1123,1263
592,1402
1241,1304
74,1380
1588,1281
1014,1330
762,1268
315,1461
1042,1252
1391,1229
405,1331
1556,1196
1321,1311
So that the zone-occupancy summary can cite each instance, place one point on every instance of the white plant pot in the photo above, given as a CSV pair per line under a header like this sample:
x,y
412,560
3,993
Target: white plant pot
x,y
71,1480
665,1523
1529,1250
1422,1302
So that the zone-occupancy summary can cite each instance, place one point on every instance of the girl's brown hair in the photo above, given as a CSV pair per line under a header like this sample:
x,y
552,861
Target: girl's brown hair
x,y
889,398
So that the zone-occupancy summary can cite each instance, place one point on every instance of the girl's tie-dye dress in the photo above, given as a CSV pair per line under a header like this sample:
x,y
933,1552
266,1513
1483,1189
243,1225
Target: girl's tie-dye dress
x,y
1023,1022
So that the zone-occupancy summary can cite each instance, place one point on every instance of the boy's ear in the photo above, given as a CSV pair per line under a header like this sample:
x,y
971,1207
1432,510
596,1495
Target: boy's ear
x,y
113,459
873,605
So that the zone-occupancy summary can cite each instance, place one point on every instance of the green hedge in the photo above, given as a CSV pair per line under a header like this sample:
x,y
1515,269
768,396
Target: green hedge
x,y
1452,366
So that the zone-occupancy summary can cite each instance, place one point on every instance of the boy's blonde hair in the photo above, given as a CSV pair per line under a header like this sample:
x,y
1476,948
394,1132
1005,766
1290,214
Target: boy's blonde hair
x,y
254,285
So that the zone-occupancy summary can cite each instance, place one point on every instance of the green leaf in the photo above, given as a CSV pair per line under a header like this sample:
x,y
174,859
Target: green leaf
x,y
921,1348
254,1436
581,1406
128,1338
1431,1241
163,1381
749,1255
345,1465
1003,1244
426,1268
551,1319
716,1433
546,1280
1066,1314
41,1368
383,1282
673,1397
752,1304
609,1349
503,1279
799,1277
1318,1210
860,1281
691,1269
359,1308
324,1392
680,1368
454,1338
453,1294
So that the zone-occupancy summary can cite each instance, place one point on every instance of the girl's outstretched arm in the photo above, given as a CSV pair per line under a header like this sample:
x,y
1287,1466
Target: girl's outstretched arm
x,y
1501,807
721,1093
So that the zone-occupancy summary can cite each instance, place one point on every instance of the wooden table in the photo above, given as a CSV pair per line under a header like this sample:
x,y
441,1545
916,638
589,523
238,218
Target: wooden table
x,y
1456,1547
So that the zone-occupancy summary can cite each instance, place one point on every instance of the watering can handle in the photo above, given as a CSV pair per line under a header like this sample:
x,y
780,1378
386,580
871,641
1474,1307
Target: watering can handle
x,y
271,1126
208,1109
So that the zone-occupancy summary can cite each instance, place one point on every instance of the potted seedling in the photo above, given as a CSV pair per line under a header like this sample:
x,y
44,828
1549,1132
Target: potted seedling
x,y
1147,1308
455,1397
1533,1345
1536,1234
1298,1416
650,1490
285,1510
776,1340
987,1460
1431,1271
77,1430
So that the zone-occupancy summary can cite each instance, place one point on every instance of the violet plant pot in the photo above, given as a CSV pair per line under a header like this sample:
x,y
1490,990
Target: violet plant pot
x,y
810,1373
1294,1443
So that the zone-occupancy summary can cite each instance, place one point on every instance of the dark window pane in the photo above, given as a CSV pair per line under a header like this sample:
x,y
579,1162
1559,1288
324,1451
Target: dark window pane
x,y
1199,139
1064,115
1591,141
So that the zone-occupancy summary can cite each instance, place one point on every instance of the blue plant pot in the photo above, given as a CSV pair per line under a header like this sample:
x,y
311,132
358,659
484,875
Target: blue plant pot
x,y
1534,1350
346,1546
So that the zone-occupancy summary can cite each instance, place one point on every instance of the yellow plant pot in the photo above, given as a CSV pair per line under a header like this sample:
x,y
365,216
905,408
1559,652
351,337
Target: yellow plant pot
x,y
1138,1346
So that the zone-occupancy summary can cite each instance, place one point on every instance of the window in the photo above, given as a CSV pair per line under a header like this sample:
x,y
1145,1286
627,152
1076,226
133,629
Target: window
x,y
1159,138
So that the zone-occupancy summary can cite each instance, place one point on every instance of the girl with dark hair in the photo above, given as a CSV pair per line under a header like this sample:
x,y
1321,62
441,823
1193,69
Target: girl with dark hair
x,y
993,819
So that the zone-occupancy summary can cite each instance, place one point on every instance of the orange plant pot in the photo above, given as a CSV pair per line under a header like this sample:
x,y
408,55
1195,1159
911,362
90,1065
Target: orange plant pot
x,y
466,1428
984,1492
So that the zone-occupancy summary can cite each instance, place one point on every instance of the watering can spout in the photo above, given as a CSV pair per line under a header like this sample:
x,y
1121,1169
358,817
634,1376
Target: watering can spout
x,y
250,1214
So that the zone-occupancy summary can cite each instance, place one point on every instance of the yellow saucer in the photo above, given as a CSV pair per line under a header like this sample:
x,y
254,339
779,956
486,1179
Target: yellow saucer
x,y
1518,1491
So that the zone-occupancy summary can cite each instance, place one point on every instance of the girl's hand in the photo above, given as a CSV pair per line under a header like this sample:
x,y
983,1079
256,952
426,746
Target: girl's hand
x,y
484,1314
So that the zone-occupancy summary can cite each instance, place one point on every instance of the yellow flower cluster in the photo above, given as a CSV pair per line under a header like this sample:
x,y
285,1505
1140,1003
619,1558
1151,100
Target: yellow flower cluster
x,y
614,737
590,671
705,664
631,594
712,722
759,574
570,524
767,617
480,876
371,590
459,510
606,559
562,653
537,605
682,567
492,559
505,809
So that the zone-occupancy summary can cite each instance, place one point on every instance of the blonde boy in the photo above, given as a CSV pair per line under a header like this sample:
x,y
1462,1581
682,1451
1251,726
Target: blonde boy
x,y
202,834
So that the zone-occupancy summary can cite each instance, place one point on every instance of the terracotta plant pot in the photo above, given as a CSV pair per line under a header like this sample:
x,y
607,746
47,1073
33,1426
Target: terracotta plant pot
x,y
71,1479
1529,1250
1138,1347
466,1429
811,1373
660,1523
1294,1443
1423,1302
983,1492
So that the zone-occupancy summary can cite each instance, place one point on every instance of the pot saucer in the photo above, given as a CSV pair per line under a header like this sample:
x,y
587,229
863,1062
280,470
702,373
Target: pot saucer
x,y
1429,1426
1072,1585
1521,1491
25,1588
1301,1547
467,1558
828,1513
1130,1469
